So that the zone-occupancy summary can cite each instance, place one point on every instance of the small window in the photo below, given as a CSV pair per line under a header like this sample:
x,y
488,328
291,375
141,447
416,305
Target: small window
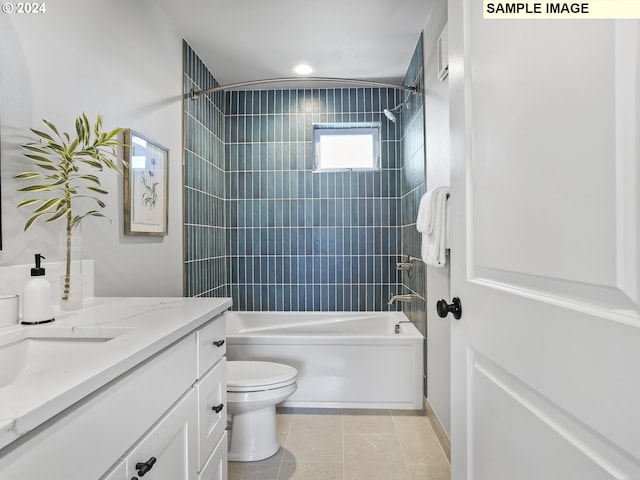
x,y
346,147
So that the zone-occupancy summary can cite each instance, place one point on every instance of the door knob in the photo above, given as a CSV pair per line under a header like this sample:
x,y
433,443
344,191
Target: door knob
x,y
454,307
144,467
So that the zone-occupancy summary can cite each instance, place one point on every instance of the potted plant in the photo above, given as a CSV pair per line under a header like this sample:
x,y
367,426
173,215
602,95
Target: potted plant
x,y
65,171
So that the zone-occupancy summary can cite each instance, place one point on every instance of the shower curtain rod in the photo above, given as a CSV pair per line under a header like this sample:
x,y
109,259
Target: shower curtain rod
x,y
411,88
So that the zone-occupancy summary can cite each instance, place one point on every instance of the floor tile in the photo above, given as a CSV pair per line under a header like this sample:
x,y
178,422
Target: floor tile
x,y
420,445
314,446
368,423
369,471
282,439
313,423
311,471
283,421
372,448
266,469
421,472
350,444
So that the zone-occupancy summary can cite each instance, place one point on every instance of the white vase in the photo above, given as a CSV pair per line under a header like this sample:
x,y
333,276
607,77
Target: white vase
x,y
71,278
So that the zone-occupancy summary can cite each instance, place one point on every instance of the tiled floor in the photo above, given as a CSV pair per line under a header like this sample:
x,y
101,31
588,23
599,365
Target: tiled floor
x,y
350,445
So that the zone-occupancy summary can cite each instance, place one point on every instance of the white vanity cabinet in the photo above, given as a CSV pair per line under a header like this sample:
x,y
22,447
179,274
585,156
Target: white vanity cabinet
x,y
164,419
211,389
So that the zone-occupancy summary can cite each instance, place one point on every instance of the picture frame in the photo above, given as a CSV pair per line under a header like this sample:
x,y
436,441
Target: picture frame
x,y
146,186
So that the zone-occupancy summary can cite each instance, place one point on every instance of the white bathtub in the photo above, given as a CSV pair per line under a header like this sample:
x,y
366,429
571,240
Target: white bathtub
x,y
344,359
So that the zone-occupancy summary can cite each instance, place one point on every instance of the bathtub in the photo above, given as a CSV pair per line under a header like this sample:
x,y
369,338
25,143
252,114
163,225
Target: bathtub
x,y
344,359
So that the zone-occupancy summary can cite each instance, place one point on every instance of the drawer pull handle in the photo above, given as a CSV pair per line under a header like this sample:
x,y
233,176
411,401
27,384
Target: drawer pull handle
x,y
218,343
218,408
143,468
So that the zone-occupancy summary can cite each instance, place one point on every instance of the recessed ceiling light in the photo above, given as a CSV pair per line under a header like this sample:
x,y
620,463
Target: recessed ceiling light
x,y
303,69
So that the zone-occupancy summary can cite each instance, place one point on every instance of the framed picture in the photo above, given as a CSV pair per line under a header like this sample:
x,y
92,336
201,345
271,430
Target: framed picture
x,y
146,186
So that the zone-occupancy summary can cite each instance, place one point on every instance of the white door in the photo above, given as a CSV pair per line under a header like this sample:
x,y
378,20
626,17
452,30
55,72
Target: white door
x,y
545,247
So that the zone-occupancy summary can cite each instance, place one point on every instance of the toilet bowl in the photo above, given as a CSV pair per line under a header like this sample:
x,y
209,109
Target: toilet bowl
x,y
253,390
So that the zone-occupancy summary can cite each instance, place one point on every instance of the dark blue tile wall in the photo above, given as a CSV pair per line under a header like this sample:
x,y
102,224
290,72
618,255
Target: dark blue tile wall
x,y
412,189
261,227
204,189
299,240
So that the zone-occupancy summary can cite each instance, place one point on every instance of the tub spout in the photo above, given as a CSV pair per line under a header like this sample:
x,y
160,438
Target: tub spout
x,y
397,326
401,298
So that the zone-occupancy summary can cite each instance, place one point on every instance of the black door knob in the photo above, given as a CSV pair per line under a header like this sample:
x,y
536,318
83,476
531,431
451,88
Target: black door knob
x,y
143,468
454,307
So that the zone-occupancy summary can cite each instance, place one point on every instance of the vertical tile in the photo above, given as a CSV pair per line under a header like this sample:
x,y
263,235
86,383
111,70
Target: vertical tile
x,y
250,150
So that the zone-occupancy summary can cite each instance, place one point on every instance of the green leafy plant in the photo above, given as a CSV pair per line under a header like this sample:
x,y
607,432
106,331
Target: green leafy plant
x,y
63,174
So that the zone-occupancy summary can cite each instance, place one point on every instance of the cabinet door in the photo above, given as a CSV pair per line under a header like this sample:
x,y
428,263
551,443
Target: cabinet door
x,y
216,467
212,409
170,448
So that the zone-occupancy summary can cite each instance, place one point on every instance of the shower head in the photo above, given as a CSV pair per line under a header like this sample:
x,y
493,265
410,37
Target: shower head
x,y
413,90
389,114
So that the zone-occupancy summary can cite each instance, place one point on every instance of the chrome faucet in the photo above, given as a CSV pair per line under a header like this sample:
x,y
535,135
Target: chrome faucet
x,y
408,297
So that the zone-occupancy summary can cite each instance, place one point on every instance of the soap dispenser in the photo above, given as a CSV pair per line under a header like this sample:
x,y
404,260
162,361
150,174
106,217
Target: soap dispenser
x,y
37,301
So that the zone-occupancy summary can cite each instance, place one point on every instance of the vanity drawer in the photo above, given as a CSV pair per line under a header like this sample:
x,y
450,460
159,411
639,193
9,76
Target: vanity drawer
x,y
168,451
216,467
212,344
212,409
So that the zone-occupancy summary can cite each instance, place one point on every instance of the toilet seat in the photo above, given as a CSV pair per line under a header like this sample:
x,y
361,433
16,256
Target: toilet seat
x,y
251,376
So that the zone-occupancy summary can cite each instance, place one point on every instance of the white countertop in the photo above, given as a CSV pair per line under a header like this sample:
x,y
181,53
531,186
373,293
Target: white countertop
x,y
140,327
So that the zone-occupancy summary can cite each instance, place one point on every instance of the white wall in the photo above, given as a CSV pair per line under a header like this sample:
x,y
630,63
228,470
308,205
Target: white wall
x,y
122,59
437,173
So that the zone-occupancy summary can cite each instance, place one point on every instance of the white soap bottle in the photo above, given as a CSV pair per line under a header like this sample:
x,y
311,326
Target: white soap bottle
x,y
37,300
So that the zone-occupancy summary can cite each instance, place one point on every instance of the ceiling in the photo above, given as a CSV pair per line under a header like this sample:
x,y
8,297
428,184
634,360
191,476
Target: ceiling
x,y
245,40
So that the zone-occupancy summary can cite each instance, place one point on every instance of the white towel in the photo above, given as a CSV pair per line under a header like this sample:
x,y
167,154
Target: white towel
x,y
432,224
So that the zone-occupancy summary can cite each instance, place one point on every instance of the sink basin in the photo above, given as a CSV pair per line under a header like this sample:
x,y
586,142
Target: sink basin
x,y
46,350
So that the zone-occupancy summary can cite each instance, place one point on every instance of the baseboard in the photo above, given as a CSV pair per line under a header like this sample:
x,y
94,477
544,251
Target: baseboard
x,y
441,433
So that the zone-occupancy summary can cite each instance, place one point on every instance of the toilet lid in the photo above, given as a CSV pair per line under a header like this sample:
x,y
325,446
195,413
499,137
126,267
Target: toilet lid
x,y
245,376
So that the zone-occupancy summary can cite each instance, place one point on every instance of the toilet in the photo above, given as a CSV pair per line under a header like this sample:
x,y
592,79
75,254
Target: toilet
x,y
253,390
